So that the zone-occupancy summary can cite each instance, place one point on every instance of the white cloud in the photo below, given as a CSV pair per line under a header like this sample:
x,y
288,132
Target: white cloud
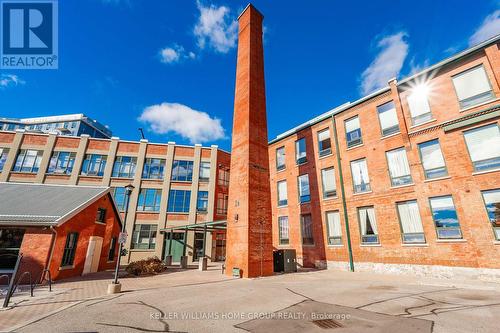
x,y
489,28
416,67
216,28
175,53
9,80
196,126
387,63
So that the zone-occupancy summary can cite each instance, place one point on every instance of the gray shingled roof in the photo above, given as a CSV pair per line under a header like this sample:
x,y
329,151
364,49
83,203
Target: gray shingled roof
x,y
41,204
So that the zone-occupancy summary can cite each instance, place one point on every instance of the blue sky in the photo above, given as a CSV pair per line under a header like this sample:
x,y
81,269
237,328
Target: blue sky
x,y
169,66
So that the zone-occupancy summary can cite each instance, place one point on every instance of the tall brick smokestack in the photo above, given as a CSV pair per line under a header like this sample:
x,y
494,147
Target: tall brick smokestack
x,y
249,226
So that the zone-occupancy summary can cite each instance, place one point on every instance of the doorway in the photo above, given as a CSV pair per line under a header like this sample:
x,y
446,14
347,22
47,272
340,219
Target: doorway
x,y
93,255
177,245
10,244
220,246
198,246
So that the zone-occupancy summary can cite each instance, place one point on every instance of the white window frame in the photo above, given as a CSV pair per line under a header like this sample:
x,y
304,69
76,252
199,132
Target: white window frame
x,y
478,98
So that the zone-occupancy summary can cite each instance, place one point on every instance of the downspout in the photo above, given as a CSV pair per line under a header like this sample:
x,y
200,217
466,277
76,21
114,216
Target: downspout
x,y
52,247
342,189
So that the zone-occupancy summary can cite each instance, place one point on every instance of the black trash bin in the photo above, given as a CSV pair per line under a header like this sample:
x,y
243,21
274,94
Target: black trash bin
x,y
285,261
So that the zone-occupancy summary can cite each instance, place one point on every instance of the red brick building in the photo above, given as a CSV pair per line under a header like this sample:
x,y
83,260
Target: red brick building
x,y
407,178
175,185
69,230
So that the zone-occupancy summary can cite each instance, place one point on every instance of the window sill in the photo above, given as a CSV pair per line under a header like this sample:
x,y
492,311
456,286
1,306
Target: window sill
x,y
280,170
436,179
122,178
485,171
354,147
479,105
371,245
148,211
202,212
402,186
425,122
299,164
178,213
64,268
284,246
58,174
305,202
497,242
390,135
101,223
330,198
444,241
361,193
110,261
335,245
153,179
91,176
325,156
142,250
415,245
283,206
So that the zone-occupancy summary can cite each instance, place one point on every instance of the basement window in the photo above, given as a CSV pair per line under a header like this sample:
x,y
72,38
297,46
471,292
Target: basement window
x,y
445,217
492,204
368,225
411,224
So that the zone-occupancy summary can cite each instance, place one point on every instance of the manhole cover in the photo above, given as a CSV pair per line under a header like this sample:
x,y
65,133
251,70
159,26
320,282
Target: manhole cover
x,y
326,323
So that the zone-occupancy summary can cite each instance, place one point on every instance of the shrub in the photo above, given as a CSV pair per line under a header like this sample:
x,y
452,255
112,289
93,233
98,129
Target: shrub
x,y
151,265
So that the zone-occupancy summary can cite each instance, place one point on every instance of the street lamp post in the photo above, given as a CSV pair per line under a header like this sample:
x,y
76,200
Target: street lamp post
x,y
115,285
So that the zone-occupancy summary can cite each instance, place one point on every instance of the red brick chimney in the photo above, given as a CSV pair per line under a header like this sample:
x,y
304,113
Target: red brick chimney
x,y
249,225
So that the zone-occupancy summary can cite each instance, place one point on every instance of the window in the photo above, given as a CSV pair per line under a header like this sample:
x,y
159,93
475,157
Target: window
x,y
112,249
353,132
153,168
333,228
399,169
144,236
149,200
360,178
280,159
282,193
492,203
419,105
202,204
120,198
284,230
124,167
368,225
204,171
178,201
411,225
69,249
182,171
307,230
328,182
101,215
432,159
324,143
300,151
28,161
4,152
223,177
483,144
388,118
222,204
304,194
93,165
473,87
61,162
445,217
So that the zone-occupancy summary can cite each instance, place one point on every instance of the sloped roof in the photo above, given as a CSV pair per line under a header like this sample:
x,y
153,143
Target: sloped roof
x,y
44,205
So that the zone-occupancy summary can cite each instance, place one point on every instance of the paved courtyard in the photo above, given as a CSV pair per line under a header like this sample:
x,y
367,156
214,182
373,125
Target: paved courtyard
x,y
314,301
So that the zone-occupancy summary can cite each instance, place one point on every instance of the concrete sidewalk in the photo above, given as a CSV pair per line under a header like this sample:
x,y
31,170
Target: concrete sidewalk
x,y
65,294
195,301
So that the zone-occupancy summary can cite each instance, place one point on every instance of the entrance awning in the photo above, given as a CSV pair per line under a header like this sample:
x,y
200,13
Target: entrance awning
x,y
205,226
